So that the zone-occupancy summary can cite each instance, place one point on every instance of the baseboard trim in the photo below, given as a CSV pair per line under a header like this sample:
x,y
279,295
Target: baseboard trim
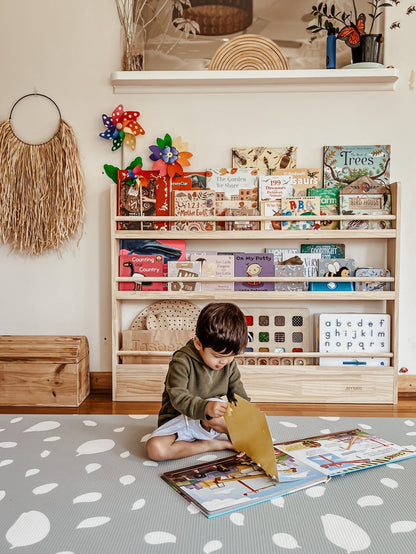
x,y
101,382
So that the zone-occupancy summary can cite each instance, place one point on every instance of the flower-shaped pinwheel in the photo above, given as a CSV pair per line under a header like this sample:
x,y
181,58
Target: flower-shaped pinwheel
x,y
122,127
169,156
134,173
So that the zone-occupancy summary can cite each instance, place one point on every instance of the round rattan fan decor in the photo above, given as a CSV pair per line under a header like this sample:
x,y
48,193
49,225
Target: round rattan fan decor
x,y
249,52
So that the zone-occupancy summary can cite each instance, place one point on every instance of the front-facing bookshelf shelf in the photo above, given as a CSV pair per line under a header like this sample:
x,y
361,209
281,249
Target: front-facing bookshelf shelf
x,y
285,80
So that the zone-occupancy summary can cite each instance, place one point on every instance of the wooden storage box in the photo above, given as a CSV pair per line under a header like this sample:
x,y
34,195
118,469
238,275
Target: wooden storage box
x,y
43,370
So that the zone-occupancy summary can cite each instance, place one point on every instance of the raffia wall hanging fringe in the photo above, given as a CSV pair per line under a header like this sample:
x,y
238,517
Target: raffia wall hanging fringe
x,y
41,190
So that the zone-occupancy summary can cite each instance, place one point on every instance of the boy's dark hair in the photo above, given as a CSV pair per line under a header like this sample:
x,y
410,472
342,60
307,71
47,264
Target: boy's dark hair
x,y
222,327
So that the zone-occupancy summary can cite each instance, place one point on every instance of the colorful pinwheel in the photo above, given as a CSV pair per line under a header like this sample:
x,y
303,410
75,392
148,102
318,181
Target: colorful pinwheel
x,y
134,173
169,156
122,127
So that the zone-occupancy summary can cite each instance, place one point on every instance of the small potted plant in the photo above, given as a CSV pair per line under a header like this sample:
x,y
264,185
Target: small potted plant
x,y
350,27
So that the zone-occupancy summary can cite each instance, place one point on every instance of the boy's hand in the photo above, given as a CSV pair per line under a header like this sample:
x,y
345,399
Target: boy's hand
x,y
216,408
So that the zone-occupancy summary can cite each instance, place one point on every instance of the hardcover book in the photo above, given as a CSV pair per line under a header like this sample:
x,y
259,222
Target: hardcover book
x,y
300,206
372,272
271,208
136,266
273,187
329,205
265,158
228,484
289,271
365,204
215,265
184,269
189,180
253,265
229,208
302,178
198,203
234,184
281,254
344,164
150,199
335,267
326,250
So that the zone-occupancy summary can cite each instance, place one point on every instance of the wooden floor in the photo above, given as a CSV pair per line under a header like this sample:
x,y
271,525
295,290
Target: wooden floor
x,y
102,404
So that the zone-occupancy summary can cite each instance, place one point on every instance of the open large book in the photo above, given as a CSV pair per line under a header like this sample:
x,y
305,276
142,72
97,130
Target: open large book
x,y
232,483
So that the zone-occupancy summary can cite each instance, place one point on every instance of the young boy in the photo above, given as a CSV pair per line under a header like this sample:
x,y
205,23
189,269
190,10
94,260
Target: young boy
x,y
200,373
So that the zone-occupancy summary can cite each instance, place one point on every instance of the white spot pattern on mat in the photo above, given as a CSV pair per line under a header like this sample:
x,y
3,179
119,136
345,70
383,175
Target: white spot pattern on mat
x,y
125,454
394,466
119,429
145,437
207,458
345,533
279,502
403,526
2,494
87,497
44,489
364,426
31,472
324,431
150,463
159,537
29,528
16,420
212,546
52,439
90,468
138,504
391,483
411,433
45,453
329,418
89,423
287,424
316,492
6,462
409,423
93,522
365,501
237,518
284,540
95,446
8,444
42,426
142,416
127,479
192,509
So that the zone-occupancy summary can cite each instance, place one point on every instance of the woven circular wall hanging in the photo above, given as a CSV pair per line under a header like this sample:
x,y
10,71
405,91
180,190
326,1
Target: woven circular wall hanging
x,y
41,188
247,52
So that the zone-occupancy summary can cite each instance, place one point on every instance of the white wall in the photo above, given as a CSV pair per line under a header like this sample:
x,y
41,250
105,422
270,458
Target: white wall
x,y
67,50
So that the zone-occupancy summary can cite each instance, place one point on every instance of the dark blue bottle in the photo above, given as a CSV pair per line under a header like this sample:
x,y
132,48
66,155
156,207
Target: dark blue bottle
x,y
331,50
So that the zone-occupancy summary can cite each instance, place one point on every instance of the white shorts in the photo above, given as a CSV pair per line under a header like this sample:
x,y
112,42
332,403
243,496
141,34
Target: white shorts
x,y
186,429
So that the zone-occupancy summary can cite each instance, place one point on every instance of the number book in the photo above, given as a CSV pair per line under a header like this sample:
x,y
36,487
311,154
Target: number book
x,y
344,164
149,199
265,158
198,203
136,266
255,266
300,206
326,250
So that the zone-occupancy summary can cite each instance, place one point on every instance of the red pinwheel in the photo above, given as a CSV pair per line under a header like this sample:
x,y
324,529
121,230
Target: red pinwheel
x,y
122,127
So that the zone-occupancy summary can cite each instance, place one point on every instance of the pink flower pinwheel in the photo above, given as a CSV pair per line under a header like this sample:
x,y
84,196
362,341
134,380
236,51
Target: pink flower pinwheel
x,y
169,156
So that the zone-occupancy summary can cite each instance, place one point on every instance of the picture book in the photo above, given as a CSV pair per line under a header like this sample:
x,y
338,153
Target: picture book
x,y
137,266
365,204
326,250
372,272
184,269
198,203
354,333
215,265
329,205
264,158
271,208
273,187
253,265
302,178
189,180
300,206
281,254
335,267
289,271
344,164
234,184
149,198
266,470
228,208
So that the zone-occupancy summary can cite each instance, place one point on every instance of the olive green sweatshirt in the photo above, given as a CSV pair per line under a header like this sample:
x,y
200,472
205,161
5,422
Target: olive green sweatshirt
x,y
189,383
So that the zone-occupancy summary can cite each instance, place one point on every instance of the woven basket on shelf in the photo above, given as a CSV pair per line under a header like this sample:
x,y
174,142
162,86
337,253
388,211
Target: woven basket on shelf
x,y
247,52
